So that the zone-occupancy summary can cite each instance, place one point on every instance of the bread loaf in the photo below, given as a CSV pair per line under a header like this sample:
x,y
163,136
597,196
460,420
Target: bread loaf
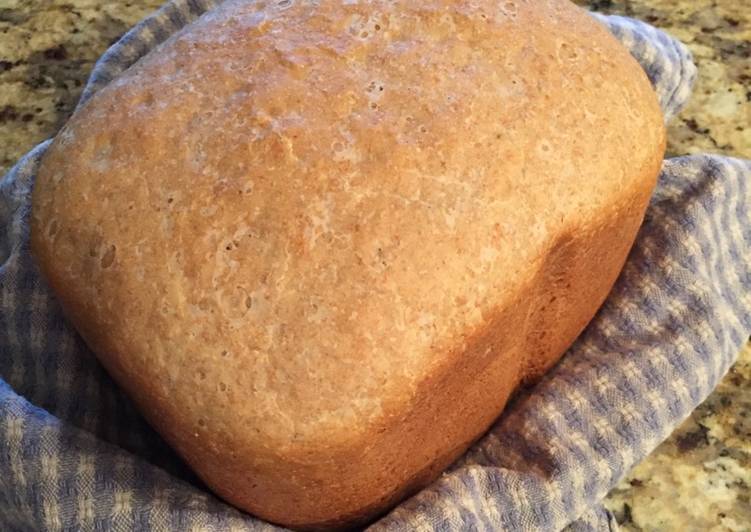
x,y
320,243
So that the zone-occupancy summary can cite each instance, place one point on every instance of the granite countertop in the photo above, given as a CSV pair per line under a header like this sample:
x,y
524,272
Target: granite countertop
x,y
700,478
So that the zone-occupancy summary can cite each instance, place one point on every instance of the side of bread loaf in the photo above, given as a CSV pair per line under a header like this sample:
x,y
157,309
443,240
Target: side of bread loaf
x,y
320,243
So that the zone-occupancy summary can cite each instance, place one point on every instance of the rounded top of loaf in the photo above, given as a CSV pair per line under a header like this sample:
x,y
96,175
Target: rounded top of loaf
x,y
278,223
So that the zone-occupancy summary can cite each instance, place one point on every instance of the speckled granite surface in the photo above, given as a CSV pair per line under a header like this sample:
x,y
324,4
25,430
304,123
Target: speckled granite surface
x,y
700,478
47,49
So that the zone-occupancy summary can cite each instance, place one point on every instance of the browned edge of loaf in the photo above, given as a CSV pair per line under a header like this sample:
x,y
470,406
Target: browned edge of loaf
x,y
564,289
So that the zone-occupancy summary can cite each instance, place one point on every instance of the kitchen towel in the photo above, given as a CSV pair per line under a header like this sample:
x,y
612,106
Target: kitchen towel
x,y
75,455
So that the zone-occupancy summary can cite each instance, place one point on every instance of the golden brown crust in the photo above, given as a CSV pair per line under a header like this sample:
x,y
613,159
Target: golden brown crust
x,y
321,244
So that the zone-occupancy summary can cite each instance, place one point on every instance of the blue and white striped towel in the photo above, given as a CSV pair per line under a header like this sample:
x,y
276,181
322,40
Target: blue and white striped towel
x,y
75,455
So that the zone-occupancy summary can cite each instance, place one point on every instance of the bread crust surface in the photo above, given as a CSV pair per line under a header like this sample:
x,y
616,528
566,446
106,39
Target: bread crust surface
x,y
320,243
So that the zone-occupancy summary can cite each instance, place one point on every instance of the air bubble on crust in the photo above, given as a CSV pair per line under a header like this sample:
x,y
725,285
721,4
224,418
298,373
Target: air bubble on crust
x,y
109,257
365,27
544,148
447,20
204,304
509,9
345,148
566,52
374,92
235,303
